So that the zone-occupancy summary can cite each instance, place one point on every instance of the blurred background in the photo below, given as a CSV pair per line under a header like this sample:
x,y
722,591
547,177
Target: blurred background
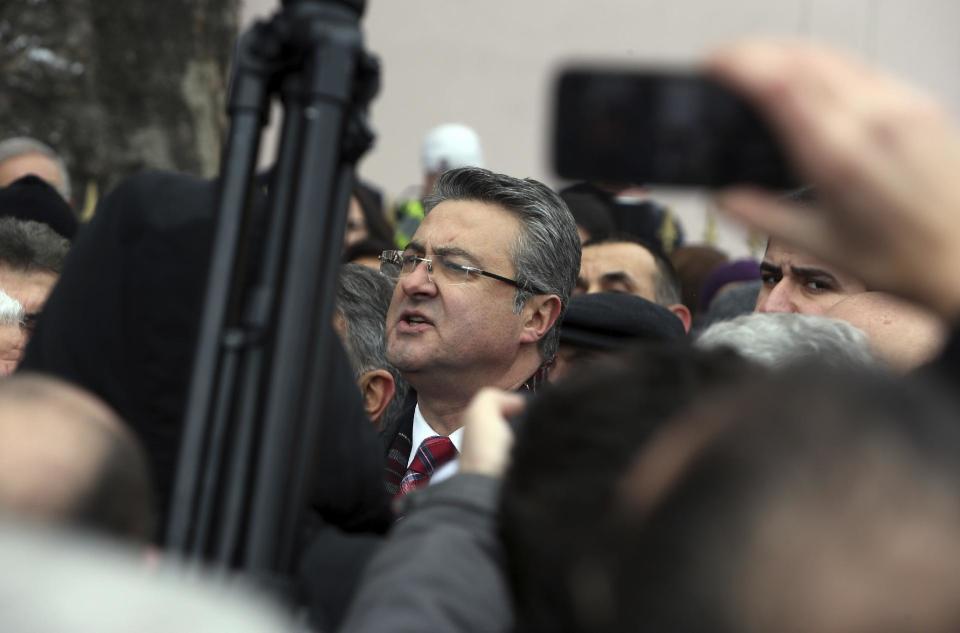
x,y
119,86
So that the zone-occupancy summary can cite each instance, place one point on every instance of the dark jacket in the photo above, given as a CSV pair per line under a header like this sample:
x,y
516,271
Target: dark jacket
x,y
123,320
441,569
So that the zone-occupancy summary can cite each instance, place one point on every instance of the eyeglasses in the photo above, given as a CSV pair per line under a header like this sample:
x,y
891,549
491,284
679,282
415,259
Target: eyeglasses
x,y
440,270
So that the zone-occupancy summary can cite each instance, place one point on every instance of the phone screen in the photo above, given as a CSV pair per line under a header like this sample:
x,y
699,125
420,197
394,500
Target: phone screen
x,y
661,128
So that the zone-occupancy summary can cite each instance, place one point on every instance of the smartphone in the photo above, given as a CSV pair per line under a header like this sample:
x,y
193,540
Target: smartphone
x,y
662,128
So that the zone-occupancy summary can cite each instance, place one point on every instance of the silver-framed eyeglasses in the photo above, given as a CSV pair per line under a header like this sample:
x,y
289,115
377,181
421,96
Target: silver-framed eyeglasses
x,y
440,269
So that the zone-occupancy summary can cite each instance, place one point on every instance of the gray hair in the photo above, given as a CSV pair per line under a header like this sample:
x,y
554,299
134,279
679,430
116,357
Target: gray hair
x,y
11,310
777,340
24,145
667,283
546,254
30,246
363,297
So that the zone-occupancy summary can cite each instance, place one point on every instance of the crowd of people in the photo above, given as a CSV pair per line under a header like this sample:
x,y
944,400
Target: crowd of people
x,y
554,412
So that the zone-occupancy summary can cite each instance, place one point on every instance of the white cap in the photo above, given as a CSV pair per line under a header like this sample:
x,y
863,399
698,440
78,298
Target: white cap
x,y
450,146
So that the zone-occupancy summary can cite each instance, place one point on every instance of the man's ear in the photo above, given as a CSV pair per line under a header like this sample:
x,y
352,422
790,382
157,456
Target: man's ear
x,y
683,313
539,313
377,388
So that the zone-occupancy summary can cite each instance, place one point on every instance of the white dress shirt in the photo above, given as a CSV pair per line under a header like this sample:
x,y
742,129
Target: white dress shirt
x,y
421,431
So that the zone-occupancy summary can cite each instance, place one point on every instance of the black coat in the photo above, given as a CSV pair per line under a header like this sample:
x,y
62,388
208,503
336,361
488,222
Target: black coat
x,y
123,320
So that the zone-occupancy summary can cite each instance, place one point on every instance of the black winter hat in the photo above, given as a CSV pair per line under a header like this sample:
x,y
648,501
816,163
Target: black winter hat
x,y
610,320
31,198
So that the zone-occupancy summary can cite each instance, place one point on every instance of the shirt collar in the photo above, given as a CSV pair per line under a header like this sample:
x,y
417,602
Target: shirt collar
x,y
422,430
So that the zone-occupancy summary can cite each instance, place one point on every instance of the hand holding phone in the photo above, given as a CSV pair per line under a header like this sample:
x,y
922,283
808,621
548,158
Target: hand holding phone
x,y
661,127
488,436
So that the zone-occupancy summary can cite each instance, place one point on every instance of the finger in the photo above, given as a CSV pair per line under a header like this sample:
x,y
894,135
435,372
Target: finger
x,y
761,69
500,400
511,404
813,98
795,224
494,403
770,76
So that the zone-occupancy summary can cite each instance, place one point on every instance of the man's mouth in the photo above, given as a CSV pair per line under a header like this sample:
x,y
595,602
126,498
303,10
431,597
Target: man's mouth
x,y
414,322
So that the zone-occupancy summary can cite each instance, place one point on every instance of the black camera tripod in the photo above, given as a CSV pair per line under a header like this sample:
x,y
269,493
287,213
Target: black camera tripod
x,y
259,370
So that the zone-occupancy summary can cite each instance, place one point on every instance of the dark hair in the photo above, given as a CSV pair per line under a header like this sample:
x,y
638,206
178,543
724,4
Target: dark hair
x,y
371,204
666,288
865,455
576,442
590,213
366,248
693,265
733,302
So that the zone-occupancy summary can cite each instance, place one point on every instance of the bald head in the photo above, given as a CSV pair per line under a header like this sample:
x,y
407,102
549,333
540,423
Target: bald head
x,y
65,458
23,156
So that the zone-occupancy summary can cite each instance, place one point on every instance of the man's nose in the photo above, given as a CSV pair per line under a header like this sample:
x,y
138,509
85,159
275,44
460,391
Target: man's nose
x,y
418,281
779,299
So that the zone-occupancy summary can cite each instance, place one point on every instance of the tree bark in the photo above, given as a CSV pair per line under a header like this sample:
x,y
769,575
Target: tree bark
x,y
117,86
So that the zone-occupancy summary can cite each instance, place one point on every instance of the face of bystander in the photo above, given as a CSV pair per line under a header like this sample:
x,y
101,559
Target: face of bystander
x,y
465,335
13,340
796,282
618,267
627,268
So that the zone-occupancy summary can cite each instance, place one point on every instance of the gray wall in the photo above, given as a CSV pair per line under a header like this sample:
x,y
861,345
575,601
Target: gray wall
x,y
488,63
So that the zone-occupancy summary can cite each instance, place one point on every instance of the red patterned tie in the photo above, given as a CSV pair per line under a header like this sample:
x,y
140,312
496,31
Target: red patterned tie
x,y
433,453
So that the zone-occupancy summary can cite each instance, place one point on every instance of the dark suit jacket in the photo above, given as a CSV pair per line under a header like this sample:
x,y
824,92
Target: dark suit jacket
x,y
402,422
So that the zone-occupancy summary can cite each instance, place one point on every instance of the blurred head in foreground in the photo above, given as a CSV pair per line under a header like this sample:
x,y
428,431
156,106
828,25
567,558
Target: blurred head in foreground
x,y
52,583
66,459
766,510
575,444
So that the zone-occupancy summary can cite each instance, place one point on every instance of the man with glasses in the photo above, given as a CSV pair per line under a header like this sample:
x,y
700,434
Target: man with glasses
x,y
480,291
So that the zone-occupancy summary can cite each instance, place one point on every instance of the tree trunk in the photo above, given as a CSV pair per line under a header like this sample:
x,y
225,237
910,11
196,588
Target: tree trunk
x,y
117,86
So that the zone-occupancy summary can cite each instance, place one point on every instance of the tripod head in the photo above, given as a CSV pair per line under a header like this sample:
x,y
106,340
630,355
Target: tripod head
x,y
357,6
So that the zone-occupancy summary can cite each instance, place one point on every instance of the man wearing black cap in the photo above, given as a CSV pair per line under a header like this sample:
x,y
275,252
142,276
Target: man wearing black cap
x,y
36,226
31,198
625,264
605,322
